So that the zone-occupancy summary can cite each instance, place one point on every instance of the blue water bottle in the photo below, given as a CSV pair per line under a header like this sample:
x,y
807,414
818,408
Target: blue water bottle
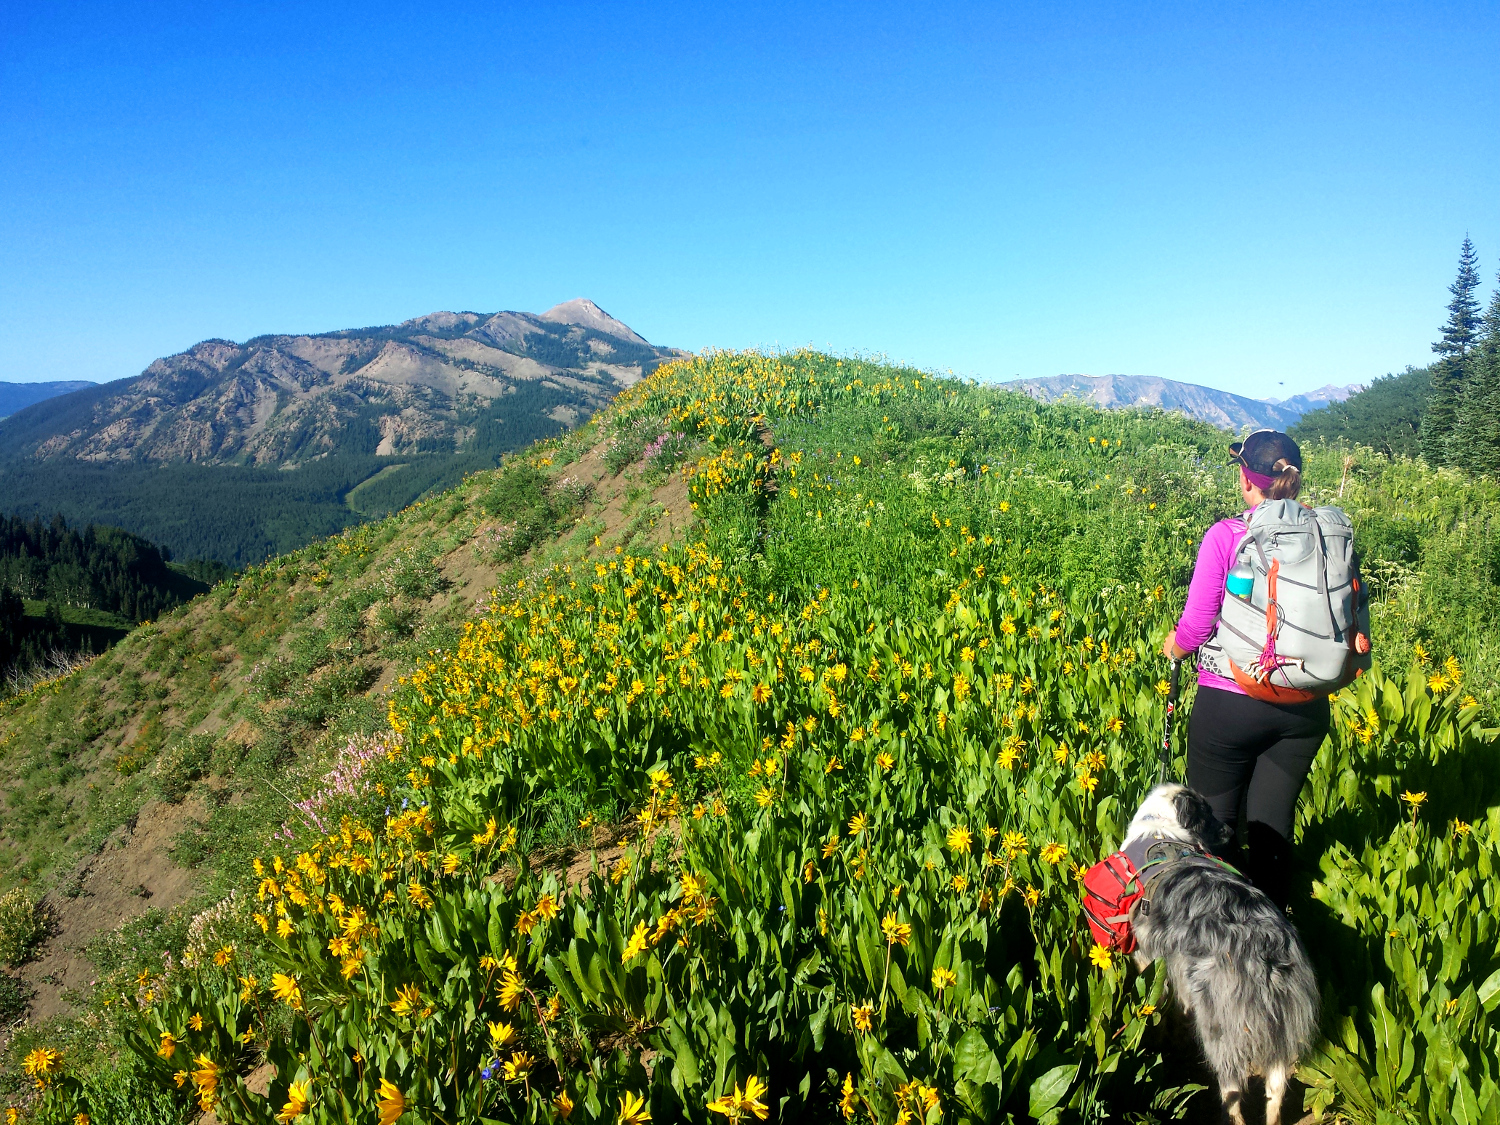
x,y
1240,581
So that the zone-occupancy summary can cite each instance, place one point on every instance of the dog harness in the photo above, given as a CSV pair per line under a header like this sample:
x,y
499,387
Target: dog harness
x,y
1114,885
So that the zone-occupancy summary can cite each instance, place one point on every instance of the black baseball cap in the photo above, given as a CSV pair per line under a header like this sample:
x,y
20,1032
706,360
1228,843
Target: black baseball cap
x,y
1261,450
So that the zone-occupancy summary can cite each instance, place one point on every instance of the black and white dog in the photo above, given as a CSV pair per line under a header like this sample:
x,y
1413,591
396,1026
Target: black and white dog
x,y
1234,963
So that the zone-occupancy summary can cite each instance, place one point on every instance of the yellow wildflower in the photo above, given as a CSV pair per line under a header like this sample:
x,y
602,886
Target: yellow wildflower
x,y
896,932
633,1110
286,989
518,1066
298,1098
392,1103
637,943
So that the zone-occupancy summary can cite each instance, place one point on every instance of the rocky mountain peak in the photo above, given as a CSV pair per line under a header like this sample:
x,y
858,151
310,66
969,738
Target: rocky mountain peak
x,y
584,313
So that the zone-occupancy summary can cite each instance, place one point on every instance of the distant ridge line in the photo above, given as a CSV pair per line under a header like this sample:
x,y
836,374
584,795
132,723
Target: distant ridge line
x,y
1219,408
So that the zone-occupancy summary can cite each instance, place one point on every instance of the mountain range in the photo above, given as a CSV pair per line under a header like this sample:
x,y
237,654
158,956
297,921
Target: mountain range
x,y
1219,408
18,396
442,383
237,451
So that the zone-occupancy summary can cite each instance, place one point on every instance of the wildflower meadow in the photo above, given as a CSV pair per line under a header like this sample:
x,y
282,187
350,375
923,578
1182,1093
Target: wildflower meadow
x,y
852,742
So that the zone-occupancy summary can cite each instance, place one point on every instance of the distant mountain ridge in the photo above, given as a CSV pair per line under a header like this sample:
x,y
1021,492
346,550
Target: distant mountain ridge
x,y
238,451
18,396
1219,408
441,383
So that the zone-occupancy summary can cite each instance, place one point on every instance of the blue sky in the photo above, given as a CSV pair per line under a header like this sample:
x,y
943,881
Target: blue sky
x,y
1261,199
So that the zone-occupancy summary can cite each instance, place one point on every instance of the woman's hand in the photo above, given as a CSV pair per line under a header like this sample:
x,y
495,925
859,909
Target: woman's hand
x,y
1171,649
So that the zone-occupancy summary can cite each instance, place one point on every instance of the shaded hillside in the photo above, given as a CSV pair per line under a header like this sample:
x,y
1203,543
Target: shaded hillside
x,y
1218,408
238,451
18,396
1386,415
65,591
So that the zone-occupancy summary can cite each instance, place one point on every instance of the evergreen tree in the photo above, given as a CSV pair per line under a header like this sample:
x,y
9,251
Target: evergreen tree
x,y
1476,437
1451,372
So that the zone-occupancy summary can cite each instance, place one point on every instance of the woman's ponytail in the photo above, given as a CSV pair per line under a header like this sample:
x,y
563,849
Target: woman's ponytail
x,y
1288,481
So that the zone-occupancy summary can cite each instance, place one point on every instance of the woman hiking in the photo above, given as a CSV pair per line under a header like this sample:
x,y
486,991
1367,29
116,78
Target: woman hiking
x,y
1240,749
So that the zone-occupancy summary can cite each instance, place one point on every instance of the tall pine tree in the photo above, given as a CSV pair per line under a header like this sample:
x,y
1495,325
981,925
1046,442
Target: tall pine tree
x,y
1475,443
1450,373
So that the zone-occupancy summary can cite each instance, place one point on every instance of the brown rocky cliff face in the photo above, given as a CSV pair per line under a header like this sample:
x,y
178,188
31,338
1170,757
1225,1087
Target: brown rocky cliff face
x,y
424,386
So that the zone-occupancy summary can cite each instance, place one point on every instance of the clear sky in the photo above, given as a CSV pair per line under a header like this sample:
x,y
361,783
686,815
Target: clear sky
x,y
1232,195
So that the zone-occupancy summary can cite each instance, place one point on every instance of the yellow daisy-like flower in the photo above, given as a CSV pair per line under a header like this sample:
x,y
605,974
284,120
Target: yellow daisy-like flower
x,y
633,1110
287,990
1101,956
298,1098
738,1104
562,1105
857,824
1415,800
511,989
637,943
896,932
849,1103
206,1080
862,1015
1054,853
42,1063
408,1000
943,978
960,839
391,1103
518,1066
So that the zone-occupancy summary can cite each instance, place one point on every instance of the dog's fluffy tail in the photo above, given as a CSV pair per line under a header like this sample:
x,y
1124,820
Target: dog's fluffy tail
x,y
1255,1006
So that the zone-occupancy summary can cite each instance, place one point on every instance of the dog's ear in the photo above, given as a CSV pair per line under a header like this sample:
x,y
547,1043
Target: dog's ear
x,y
1196,816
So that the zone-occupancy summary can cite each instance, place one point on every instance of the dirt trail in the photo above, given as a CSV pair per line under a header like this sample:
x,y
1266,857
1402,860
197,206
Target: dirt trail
x,y
130,874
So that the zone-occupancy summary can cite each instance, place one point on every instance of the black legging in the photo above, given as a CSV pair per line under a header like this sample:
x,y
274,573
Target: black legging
x,y
1243,747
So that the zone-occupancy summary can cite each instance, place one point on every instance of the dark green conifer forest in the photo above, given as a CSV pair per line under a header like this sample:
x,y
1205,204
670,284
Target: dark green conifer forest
x,y
1447,413
64,591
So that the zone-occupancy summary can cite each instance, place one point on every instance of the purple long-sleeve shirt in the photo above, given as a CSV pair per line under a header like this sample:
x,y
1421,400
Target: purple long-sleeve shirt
x,y
1206,594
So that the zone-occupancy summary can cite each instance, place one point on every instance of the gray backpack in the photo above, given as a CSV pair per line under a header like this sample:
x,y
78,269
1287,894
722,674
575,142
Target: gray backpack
x,y
1291,638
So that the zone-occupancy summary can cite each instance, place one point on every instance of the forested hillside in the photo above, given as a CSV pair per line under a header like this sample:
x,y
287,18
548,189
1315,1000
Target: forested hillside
x,y
86,588
1461,426
1385,416
538,804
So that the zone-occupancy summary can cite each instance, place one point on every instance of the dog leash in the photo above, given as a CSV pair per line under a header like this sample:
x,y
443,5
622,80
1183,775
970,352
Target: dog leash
x,y
1166,723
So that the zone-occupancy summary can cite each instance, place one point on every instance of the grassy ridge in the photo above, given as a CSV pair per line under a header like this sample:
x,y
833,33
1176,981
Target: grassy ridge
x,y
901,680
